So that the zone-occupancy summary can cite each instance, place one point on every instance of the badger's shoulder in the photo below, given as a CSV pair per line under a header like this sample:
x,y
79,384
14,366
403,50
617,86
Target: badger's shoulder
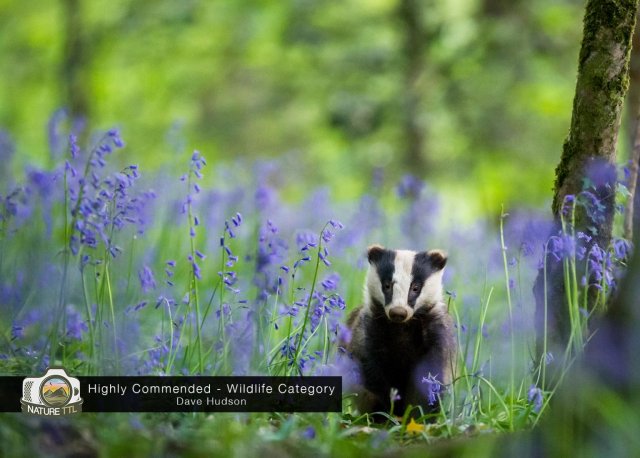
x,y
354,317
356,324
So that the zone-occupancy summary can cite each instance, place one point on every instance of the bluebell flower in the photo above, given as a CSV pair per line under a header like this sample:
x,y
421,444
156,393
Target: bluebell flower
x,y
140,305
306,240
536,397
309,433
621,248
76,325
410,187
331,282
100,206
433,388
74,149
147,280
17,331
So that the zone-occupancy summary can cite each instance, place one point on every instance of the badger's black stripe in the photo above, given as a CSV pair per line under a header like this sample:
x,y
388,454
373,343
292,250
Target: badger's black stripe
x,y
385,266
420,271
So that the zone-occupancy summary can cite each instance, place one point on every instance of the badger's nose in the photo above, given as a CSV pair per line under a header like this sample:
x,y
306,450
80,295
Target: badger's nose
x,y
397,314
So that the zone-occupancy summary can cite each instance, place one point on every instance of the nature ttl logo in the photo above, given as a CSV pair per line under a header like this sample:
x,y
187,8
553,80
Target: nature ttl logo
x,y
53,394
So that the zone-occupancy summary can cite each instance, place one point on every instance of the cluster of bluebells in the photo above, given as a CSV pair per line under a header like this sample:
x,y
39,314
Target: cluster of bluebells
x,y
195,173
102,205
154,360
305,240
327,235
325,303
328,304
602,264
421,211
101,201
9,206
76,324
270,258
230,277
170,265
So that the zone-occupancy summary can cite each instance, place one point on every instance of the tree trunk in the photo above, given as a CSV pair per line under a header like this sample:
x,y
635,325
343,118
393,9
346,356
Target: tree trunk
x,y
603,78
74,63
631,217
413,51
633,115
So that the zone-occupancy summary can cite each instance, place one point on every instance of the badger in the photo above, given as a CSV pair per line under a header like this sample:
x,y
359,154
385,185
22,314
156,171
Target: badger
x,y
402,336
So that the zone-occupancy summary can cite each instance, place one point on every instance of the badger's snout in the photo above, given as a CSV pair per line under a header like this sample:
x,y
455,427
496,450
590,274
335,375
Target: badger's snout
x,y
398,314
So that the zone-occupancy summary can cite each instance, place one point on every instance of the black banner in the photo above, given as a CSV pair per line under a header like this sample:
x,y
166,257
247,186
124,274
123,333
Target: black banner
x,y
187,394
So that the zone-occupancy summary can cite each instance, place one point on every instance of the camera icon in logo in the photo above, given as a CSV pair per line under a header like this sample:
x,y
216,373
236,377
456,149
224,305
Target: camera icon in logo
x,y
53,394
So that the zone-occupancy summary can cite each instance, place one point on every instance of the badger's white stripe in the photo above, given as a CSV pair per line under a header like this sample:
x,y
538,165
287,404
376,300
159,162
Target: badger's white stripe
x,y
402,277
373,287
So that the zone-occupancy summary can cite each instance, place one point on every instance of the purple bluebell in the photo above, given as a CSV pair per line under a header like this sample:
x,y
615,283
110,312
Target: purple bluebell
x,y
621,248
147,279
271,253
331,282
140,305
433,388
309,433
17,331
100,206
76,325
306,240
54,131
535,396
410,187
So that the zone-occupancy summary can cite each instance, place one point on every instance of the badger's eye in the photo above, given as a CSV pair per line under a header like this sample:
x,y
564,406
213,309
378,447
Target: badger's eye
x,y
415,288
386,285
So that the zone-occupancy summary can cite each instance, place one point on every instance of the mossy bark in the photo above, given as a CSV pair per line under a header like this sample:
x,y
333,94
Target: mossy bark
x,y
633,128
603,79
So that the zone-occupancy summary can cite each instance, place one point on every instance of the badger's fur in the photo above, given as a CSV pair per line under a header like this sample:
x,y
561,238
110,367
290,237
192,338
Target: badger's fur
x,y
402,333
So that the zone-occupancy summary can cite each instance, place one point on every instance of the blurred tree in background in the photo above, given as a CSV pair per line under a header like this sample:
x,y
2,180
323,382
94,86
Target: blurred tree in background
x,y
343,88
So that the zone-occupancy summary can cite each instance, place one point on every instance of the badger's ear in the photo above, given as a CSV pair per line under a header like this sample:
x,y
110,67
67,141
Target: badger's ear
x,y
375,253
437,258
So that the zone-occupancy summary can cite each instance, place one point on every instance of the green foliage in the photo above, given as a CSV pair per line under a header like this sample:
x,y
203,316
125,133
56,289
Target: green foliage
x,y
323,79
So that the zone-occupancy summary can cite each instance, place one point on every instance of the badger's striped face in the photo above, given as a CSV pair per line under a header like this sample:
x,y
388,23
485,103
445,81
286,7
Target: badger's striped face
x,y
401,281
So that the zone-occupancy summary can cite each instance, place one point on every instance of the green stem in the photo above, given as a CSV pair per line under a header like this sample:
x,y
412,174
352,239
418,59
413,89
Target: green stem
x,y
513,355
91,323
107,277
313,288
194,285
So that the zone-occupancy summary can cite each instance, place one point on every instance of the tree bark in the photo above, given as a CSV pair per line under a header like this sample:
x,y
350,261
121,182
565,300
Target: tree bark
x,y
414,48
74,78
631,217
633,115
603,78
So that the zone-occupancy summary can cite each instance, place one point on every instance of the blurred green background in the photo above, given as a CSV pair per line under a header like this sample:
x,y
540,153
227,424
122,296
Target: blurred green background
x,y
473,95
